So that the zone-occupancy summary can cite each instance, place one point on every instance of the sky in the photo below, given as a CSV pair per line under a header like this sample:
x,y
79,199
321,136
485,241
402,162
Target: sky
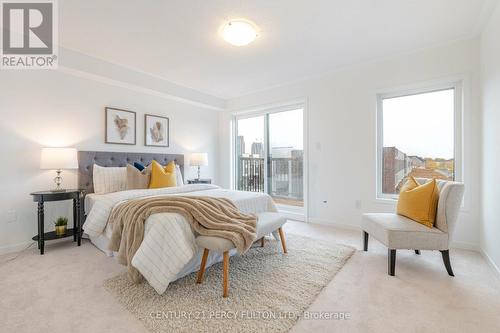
x,y
421,124
285,130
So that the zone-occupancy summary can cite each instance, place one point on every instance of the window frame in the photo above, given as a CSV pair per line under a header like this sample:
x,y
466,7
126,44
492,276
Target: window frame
x,y
300,213
457,86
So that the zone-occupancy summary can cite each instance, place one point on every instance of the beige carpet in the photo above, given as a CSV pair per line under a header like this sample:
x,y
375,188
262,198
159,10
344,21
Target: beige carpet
x,y
269,291
63,291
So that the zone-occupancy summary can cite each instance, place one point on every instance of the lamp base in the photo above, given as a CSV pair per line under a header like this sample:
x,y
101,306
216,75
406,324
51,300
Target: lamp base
x,y
58,180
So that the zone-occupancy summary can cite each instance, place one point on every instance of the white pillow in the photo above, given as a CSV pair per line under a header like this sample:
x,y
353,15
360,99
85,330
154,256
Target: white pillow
x,y
178,176
111,179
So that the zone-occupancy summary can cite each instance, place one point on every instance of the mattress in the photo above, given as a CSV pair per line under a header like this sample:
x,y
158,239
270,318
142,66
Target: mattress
x,y
89,202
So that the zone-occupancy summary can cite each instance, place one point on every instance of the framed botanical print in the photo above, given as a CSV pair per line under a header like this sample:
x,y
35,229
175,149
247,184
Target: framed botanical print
x,y
120,126
156,131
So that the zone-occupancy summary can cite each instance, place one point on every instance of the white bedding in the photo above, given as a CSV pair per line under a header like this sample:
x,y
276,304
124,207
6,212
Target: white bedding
x,y
89,202
168,250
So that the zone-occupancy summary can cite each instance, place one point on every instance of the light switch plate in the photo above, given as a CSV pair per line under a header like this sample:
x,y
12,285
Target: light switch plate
x,y
358,204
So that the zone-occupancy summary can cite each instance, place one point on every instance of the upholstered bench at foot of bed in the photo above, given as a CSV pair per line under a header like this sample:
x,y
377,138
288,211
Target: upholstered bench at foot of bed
x,y
267,223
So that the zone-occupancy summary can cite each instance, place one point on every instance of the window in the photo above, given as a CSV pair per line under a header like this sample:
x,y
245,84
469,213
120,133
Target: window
x,y
418,135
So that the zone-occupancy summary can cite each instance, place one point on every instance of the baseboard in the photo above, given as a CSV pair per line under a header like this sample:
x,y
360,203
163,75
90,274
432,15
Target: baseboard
x,y
465,246
15,247
292,215
334,224
491,263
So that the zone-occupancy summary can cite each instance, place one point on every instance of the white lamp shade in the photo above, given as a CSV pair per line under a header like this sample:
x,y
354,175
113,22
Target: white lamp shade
x,y
58,158
199,159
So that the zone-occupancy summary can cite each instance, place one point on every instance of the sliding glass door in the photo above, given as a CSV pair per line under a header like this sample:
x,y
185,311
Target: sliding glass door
x,y
269,153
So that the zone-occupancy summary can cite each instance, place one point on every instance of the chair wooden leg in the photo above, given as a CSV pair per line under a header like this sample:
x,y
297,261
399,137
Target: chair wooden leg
x,y
365,241
391,255
283,242
447,263
226,274
262,241
202,266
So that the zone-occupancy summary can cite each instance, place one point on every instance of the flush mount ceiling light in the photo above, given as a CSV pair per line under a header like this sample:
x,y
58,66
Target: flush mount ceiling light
x,y
239,32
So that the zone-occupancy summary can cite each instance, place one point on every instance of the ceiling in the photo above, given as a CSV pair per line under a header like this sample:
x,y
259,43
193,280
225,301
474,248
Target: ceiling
x,y
178,39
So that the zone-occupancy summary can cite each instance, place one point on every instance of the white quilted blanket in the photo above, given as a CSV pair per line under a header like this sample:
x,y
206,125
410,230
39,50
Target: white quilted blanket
x,y
169,243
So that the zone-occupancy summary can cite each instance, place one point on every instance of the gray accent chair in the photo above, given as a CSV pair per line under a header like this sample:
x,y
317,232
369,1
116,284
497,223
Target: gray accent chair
x,y
400,233
267,223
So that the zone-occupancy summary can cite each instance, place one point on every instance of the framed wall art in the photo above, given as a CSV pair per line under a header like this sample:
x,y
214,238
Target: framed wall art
x,y
156,131
120,126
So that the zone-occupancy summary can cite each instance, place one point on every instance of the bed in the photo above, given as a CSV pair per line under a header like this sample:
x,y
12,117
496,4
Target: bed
x,y
168,251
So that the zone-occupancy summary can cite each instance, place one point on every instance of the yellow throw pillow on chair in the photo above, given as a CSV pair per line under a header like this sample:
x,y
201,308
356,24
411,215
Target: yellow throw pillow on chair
x,y
419,202
162,176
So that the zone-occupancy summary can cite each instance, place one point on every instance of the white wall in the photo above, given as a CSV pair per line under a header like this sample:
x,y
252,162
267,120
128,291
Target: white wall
x,y
53,108
65,108
341,125
490,81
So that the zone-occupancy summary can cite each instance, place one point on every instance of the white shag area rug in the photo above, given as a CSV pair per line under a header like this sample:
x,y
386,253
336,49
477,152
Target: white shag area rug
x,y
268,290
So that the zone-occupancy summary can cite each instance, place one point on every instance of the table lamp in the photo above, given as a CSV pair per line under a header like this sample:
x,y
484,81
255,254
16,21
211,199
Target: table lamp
x,y
198,160
58,159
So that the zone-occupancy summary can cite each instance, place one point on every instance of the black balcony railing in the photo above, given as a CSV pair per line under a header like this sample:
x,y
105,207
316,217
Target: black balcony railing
x,y
251,174
285,176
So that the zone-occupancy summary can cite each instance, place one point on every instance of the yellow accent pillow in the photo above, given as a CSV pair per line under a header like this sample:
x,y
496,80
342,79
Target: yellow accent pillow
x,y
162,176
419,202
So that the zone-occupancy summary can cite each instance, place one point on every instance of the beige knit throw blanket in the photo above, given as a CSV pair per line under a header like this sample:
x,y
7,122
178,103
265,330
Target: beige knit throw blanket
x,y
207,216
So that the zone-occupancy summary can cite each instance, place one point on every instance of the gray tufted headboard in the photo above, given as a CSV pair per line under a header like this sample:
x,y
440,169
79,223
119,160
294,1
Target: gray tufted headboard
x,y
87,159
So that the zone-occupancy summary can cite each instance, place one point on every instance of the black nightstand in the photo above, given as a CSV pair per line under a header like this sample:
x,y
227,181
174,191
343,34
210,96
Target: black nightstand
x,y
200,181
76,231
